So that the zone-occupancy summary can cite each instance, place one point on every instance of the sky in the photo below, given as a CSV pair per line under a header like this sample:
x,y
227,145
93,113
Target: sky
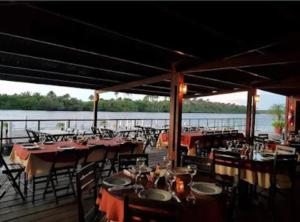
x,y
7,87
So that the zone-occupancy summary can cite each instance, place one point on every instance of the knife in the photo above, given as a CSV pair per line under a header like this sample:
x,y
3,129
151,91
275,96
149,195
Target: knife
x,y
176,197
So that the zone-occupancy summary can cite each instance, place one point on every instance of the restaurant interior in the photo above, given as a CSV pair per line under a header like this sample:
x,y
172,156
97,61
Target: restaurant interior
x,y
180,50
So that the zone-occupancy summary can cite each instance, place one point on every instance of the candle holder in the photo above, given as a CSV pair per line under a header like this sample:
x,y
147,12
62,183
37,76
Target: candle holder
x,y
179,186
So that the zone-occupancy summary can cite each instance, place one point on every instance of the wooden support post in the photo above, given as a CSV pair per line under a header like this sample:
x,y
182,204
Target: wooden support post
x,y
96,101
254,91
248,116
286,128
176,98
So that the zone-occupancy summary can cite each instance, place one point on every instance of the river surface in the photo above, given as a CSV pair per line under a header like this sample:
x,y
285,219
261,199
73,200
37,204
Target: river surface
x,y
263,121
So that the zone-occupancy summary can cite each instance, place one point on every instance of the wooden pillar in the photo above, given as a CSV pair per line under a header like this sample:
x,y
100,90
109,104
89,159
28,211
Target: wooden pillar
x,y
95,109
254,92
176,99
248,116
286,127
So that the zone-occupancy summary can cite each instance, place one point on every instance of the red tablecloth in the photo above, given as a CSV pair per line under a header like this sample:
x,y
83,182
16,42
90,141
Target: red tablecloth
x,y
188,139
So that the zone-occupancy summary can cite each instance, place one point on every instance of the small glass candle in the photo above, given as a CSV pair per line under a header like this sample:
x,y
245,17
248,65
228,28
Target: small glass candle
x,y
179,186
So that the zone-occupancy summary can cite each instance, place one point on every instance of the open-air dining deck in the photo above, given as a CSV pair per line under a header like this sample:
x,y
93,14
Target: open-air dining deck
x,y
168,170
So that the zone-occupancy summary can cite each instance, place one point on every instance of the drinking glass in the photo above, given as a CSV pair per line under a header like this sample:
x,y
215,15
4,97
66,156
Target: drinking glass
x,y
192,171
171,178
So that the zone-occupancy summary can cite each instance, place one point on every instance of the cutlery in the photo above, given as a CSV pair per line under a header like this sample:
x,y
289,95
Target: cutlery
x,y
176,197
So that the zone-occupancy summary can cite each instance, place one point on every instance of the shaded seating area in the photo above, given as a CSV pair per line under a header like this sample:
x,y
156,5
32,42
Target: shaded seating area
x,y
178,53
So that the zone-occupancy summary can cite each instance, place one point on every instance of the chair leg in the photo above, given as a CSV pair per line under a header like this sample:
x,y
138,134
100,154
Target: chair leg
x,y
33,189
47,185
54,190
17,187
25,184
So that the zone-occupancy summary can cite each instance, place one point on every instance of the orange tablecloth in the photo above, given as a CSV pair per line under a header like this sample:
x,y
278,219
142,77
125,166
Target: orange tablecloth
x,y
208,209
38,162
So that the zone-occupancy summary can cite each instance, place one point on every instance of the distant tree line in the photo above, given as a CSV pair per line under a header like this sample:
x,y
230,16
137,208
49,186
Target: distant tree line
x,y
52,102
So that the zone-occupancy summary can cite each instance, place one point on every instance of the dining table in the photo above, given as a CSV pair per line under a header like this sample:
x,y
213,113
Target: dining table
x,y
210,208
188,139
37,158
256,169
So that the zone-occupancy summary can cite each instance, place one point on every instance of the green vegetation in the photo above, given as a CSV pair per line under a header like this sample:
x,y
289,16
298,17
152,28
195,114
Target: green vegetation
x,y
52,102
278,111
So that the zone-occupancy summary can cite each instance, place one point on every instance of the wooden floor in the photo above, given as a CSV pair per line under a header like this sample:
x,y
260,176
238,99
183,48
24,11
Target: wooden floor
x,y
12,208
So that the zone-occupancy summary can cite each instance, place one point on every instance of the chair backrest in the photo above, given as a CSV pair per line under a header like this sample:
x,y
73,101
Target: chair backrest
x,y
137,209
227,159
96,131
126,148
285,149
107,133
96,153
32,136
86,182
204,164
285,164
125,160
70,158
263,135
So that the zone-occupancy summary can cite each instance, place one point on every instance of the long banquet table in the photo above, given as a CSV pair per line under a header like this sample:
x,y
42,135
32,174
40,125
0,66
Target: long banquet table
x,y
38,162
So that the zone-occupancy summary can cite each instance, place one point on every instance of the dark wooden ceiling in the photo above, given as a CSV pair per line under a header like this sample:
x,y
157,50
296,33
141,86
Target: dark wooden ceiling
x,y
220,47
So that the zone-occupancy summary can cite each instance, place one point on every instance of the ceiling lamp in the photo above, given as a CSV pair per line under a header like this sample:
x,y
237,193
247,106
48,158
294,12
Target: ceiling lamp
x,y
183,88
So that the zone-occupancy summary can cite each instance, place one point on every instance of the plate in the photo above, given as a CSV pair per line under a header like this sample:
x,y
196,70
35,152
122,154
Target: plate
x,y
66,147
49,142
116,181
155,194
32,147
206,188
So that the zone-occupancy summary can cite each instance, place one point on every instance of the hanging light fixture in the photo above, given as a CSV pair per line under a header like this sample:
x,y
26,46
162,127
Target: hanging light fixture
x,y
183,88
257,98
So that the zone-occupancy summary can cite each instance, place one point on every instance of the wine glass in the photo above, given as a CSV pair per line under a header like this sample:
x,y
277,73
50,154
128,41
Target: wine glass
x,y
192,171
171,178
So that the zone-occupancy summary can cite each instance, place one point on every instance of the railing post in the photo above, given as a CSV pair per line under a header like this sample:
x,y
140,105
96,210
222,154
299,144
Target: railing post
x,y
151,122
39,125
68,124
1,136
117,125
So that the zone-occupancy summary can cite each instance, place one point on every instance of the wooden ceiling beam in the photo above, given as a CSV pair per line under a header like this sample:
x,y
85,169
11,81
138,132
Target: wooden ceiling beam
x,y
247,61
234,84
253,74
136,83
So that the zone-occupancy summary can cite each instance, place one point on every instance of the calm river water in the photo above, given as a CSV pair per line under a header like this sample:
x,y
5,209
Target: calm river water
x,y
263,121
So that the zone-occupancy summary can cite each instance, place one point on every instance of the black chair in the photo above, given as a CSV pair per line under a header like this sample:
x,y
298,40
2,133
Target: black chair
x,y
96,131
107,133
204,165
125,160
9,176
86,184
137,209
285,164
70,159
32,136
230,183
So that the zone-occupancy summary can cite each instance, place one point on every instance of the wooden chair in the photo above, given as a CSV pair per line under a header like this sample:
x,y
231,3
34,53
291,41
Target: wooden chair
x,y
69,158
97,154
204,164
107,133
137,209
32,136
285,150
86,183
125,160
9,176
